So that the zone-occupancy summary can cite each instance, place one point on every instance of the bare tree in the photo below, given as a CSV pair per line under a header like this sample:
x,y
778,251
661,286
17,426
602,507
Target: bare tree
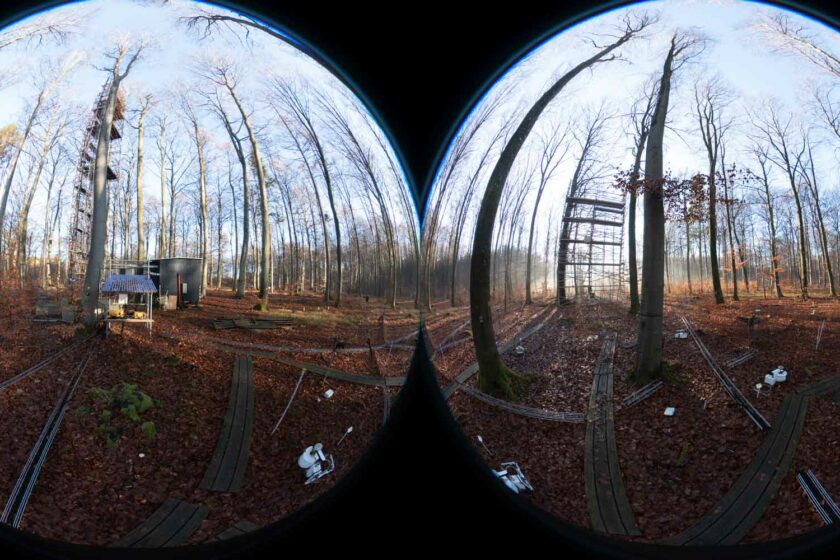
x,y
46,27
787,36
808,173
683,47
49,80
299,107
141,234
589,137
640,115
787,156
200,140
362,159
551,158
710,98
96,256
224,75
455,158
161,144
494,376
218,107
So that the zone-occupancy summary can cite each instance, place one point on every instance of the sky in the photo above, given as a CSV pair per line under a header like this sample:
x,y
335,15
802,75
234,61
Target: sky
x,y
167,66
734,52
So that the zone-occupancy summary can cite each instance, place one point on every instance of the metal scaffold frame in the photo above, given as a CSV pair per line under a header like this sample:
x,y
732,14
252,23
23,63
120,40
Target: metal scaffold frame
x,y
594,219
83,184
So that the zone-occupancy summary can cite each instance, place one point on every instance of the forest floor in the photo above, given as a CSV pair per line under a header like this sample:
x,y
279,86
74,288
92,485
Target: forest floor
x,y
92,494
674,468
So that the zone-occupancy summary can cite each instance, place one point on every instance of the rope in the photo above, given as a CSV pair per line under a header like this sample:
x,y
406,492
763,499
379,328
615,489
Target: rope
x,y
522,410
819,334
289,404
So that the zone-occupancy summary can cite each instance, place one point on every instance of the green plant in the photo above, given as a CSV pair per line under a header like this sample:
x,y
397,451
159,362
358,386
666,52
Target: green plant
x,y
119,408
683,458
148,429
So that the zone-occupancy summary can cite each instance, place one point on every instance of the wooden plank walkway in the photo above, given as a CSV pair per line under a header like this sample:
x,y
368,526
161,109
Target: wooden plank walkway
x,y
472,369
609,509
252,323
522,410
387,408
832,384
170,525
742,506
241,527
358,378
230,458
361,379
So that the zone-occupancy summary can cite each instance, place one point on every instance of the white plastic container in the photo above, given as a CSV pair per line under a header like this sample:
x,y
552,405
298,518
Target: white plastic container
x,y
779,375
670,411
769,379
328,393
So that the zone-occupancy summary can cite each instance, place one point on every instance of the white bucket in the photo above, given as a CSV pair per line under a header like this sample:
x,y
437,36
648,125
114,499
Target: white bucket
x,y
769,379
779,375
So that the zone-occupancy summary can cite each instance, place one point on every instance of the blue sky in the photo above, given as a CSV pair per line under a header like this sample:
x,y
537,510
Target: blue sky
x,y
166,67
735,52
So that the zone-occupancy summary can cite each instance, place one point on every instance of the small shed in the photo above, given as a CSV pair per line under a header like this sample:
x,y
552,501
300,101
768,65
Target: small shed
x,y
170,270
129,299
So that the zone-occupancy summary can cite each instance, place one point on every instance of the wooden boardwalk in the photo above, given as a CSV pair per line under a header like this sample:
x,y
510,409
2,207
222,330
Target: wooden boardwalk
x,y
170,525
230,458
472,369
241,527
609,509
387,408
830,385
746,501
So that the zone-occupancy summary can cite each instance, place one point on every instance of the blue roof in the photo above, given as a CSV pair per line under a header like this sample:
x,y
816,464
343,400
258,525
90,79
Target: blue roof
x,y
128,284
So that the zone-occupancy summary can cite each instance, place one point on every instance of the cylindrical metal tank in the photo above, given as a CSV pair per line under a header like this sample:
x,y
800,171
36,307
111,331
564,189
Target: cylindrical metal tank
x,y
167,281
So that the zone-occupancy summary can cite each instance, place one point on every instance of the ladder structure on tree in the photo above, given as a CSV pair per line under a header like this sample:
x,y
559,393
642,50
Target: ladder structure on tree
x,y
83,183
594,221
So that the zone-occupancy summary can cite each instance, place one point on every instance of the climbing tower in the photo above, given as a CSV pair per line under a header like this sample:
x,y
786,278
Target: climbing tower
x,y
594,244
83,184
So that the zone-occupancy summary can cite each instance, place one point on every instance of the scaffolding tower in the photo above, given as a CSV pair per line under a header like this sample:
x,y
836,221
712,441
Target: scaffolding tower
x,y
593,220
83,183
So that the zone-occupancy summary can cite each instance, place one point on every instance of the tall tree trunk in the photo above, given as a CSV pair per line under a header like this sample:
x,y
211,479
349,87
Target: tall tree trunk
x,y
266,226
649,345
729,228
141,237
494,376
96,255
205,218
162,246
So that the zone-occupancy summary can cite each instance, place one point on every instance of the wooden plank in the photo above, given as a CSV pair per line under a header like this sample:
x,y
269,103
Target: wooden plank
x,y
595,202
628,520
241,527
387,408
594,221
825,386
150,524
609,508
593,242
736,489
768,479
746,501
170,525
226,470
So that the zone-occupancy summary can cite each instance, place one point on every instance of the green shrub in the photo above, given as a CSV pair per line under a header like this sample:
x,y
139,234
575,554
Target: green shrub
x,y
148,429
126,399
